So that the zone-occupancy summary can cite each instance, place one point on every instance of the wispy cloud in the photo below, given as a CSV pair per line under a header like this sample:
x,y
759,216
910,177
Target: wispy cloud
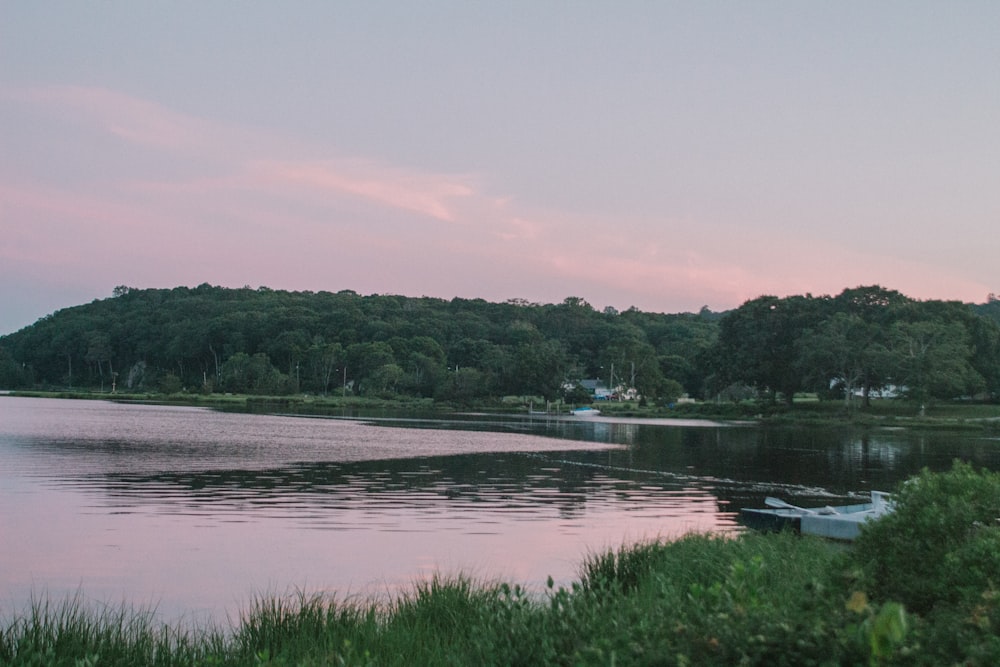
x,y
245,205
431,195
249,158
132,119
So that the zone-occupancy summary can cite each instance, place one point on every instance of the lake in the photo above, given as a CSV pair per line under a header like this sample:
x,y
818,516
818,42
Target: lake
x,y
195,511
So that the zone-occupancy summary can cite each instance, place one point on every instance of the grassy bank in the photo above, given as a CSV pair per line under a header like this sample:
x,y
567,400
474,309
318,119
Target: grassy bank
x,y
298,402
700,599
807,410
917,588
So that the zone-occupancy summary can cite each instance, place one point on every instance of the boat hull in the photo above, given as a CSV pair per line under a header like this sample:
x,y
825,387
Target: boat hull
x,y
771,520
836,523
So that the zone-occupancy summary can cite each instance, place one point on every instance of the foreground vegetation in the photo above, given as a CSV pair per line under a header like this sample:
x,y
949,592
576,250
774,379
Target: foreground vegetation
x,y
918,588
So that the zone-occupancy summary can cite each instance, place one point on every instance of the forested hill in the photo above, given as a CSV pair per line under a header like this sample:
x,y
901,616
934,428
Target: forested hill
x,y
268,341
265,341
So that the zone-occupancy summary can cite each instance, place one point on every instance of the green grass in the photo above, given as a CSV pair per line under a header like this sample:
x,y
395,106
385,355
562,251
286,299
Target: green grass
x,y
759,599
701,600
70,633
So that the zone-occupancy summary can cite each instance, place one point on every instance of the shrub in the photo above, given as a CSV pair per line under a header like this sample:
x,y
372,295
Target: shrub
x,y
941,545
170,384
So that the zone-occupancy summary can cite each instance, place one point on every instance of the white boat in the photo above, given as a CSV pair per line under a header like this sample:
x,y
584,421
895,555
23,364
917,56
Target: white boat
x,y
838,523
585,412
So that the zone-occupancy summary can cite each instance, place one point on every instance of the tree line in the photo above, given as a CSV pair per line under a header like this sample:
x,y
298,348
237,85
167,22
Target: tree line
x,y
263,341
864,340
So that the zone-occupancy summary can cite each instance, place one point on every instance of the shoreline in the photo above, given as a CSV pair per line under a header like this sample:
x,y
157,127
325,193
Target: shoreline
x,y
887,414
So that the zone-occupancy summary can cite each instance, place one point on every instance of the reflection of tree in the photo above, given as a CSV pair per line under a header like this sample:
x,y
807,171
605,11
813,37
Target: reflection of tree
x,y
507,481
517,486
731,467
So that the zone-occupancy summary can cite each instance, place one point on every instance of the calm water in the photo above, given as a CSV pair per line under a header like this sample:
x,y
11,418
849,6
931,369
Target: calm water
x,y
196,511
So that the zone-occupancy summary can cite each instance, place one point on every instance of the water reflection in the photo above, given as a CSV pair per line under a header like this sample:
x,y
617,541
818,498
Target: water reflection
x,y
471,490
196,509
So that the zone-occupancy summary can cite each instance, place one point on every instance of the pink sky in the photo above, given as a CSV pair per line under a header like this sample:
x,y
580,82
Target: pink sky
x,y
662,174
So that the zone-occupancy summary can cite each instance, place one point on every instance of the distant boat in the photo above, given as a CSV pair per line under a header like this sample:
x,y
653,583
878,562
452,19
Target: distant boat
x,y
585,412
839,523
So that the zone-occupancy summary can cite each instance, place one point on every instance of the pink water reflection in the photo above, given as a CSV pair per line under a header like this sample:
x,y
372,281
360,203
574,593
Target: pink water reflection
x,y
197,519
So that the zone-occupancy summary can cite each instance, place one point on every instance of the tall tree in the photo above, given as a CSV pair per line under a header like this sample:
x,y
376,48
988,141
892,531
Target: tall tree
x,y
843,349
878,309
932,360
758,344
540,368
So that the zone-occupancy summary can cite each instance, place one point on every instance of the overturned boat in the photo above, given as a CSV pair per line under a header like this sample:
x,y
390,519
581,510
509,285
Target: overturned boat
x,y
839,523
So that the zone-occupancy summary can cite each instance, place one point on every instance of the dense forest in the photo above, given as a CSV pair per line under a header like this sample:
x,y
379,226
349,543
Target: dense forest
x,y
262,341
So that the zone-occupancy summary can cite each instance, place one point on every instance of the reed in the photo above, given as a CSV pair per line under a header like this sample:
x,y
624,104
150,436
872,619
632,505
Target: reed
x,y
651,602
72,633
276,629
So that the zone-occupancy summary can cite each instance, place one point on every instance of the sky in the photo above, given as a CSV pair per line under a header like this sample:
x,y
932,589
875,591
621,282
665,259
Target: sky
x,y
657,154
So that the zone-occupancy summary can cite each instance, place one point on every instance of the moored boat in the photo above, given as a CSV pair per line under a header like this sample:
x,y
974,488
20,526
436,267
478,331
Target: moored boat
x,y
839,523
585,412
